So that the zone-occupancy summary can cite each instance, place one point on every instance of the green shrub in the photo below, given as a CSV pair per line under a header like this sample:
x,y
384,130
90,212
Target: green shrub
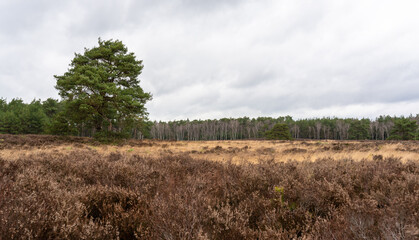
x,y
279,132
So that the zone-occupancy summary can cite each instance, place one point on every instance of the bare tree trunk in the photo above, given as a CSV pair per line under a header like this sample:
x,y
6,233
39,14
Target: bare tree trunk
x,y
318,126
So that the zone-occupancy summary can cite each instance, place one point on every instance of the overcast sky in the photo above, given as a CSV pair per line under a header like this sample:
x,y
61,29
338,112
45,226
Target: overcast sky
x,y
212,59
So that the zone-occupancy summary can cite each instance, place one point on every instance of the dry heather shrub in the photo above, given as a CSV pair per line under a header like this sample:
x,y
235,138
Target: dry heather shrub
x,y
26,141
219,150
88,195
265,151
123,210
294,150
28,207
9,141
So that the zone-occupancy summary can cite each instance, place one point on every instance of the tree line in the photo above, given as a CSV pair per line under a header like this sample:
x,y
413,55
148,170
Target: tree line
x,y
45,117
48,117
382,128
17,117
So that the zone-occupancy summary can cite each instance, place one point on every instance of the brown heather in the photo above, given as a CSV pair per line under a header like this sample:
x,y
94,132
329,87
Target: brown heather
x,y
74,188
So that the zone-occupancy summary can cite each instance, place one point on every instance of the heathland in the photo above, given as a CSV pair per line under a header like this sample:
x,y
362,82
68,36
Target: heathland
x,y
75,188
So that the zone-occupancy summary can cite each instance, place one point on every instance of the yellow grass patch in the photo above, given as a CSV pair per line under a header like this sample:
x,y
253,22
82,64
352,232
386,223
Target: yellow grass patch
x,y
245,151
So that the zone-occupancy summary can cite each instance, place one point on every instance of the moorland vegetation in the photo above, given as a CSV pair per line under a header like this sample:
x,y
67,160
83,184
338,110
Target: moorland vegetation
x,y
82,192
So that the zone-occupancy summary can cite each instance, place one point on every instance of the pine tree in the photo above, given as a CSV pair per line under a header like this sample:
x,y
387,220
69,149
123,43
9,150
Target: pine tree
x,y
102,88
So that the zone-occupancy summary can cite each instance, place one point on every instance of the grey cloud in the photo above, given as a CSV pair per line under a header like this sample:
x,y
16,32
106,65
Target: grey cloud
x,y
226,58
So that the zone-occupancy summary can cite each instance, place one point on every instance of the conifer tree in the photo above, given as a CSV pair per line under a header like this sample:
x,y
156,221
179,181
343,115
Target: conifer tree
x,y
101,88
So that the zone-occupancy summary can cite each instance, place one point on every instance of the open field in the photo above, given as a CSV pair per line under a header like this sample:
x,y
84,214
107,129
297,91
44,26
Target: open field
x,y
59,188
238,152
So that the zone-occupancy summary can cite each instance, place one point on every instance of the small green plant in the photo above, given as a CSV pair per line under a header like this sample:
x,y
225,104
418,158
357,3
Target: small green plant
x,y
130,150
93,148
280,192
